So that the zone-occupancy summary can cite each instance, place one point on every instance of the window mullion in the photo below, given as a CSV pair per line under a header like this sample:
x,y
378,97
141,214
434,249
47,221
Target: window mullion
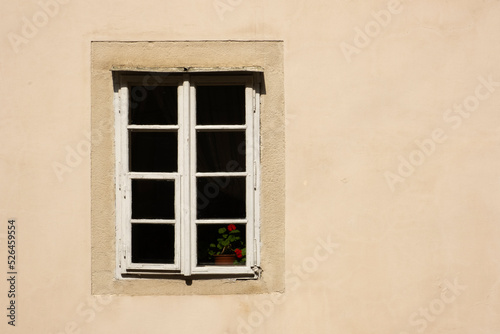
x,y
184,149
249,108
192,175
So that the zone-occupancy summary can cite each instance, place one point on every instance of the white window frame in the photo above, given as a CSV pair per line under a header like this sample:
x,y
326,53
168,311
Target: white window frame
x,y
185,178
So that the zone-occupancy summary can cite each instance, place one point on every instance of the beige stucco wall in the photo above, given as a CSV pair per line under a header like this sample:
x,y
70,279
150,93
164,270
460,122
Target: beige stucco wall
x,y
367,251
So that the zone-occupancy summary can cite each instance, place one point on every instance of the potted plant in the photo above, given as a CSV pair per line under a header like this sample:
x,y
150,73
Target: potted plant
x,y
229,248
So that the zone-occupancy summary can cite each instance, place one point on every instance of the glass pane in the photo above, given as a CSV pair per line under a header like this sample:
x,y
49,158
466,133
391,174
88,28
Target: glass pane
x,y
153,105
153,243
153,199
221,197
218,239
220,151
153,151
217,105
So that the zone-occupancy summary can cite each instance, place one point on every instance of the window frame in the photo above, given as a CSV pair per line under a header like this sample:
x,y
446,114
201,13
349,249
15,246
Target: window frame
x,y
185,222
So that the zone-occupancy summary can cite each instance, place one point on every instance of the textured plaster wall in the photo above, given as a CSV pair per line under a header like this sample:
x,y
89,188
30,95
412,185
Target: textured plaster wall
x,y
379,237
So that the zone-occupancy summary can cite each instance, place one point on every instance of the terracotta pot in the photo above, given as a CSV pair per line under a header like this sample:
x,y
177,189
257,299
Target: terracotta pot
x,y
225,259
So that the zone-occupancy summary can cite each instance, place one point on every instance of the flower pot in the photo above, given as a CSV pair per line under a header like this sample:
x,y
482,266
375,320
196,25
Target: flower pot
x,y
225,259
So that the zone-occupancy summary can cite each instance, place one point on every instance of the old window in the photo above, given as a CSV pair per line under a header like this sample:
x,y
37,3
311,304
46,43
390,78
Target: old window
x,y
174,161
187,171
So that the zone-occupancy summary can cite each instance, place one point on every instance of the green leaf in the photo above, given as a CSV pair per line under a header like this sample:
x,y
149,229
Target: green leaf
x,y
219,246
212,245
222,230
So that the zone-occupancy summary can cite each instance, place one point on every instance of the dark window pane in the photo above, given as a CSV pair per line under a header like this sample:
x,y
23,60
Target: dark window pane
x,y
221,197
153,243
217,105
220,151
153,151
153,199
207,234
153,105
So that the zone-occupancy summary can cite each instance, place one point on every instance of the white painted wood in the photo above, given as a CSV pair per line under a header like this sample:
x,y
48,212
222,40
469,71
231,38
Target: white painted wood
x,y
124,191
192,178
223,270
175,178
177,231
153,127
256,159
220,127
120,264
221,221
153,176
125,185
185,178
248,127
183,166
153,221
152,266
249,150
220,174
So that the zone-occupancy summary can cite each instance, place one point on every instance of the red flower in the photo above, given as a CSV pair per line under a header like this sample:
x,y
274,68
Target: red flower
x,y
238,253
231,227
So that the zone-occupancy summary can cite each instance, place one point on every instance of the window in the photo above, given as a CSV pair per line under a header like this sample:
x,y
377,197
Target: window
x,y
147,164
187,173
